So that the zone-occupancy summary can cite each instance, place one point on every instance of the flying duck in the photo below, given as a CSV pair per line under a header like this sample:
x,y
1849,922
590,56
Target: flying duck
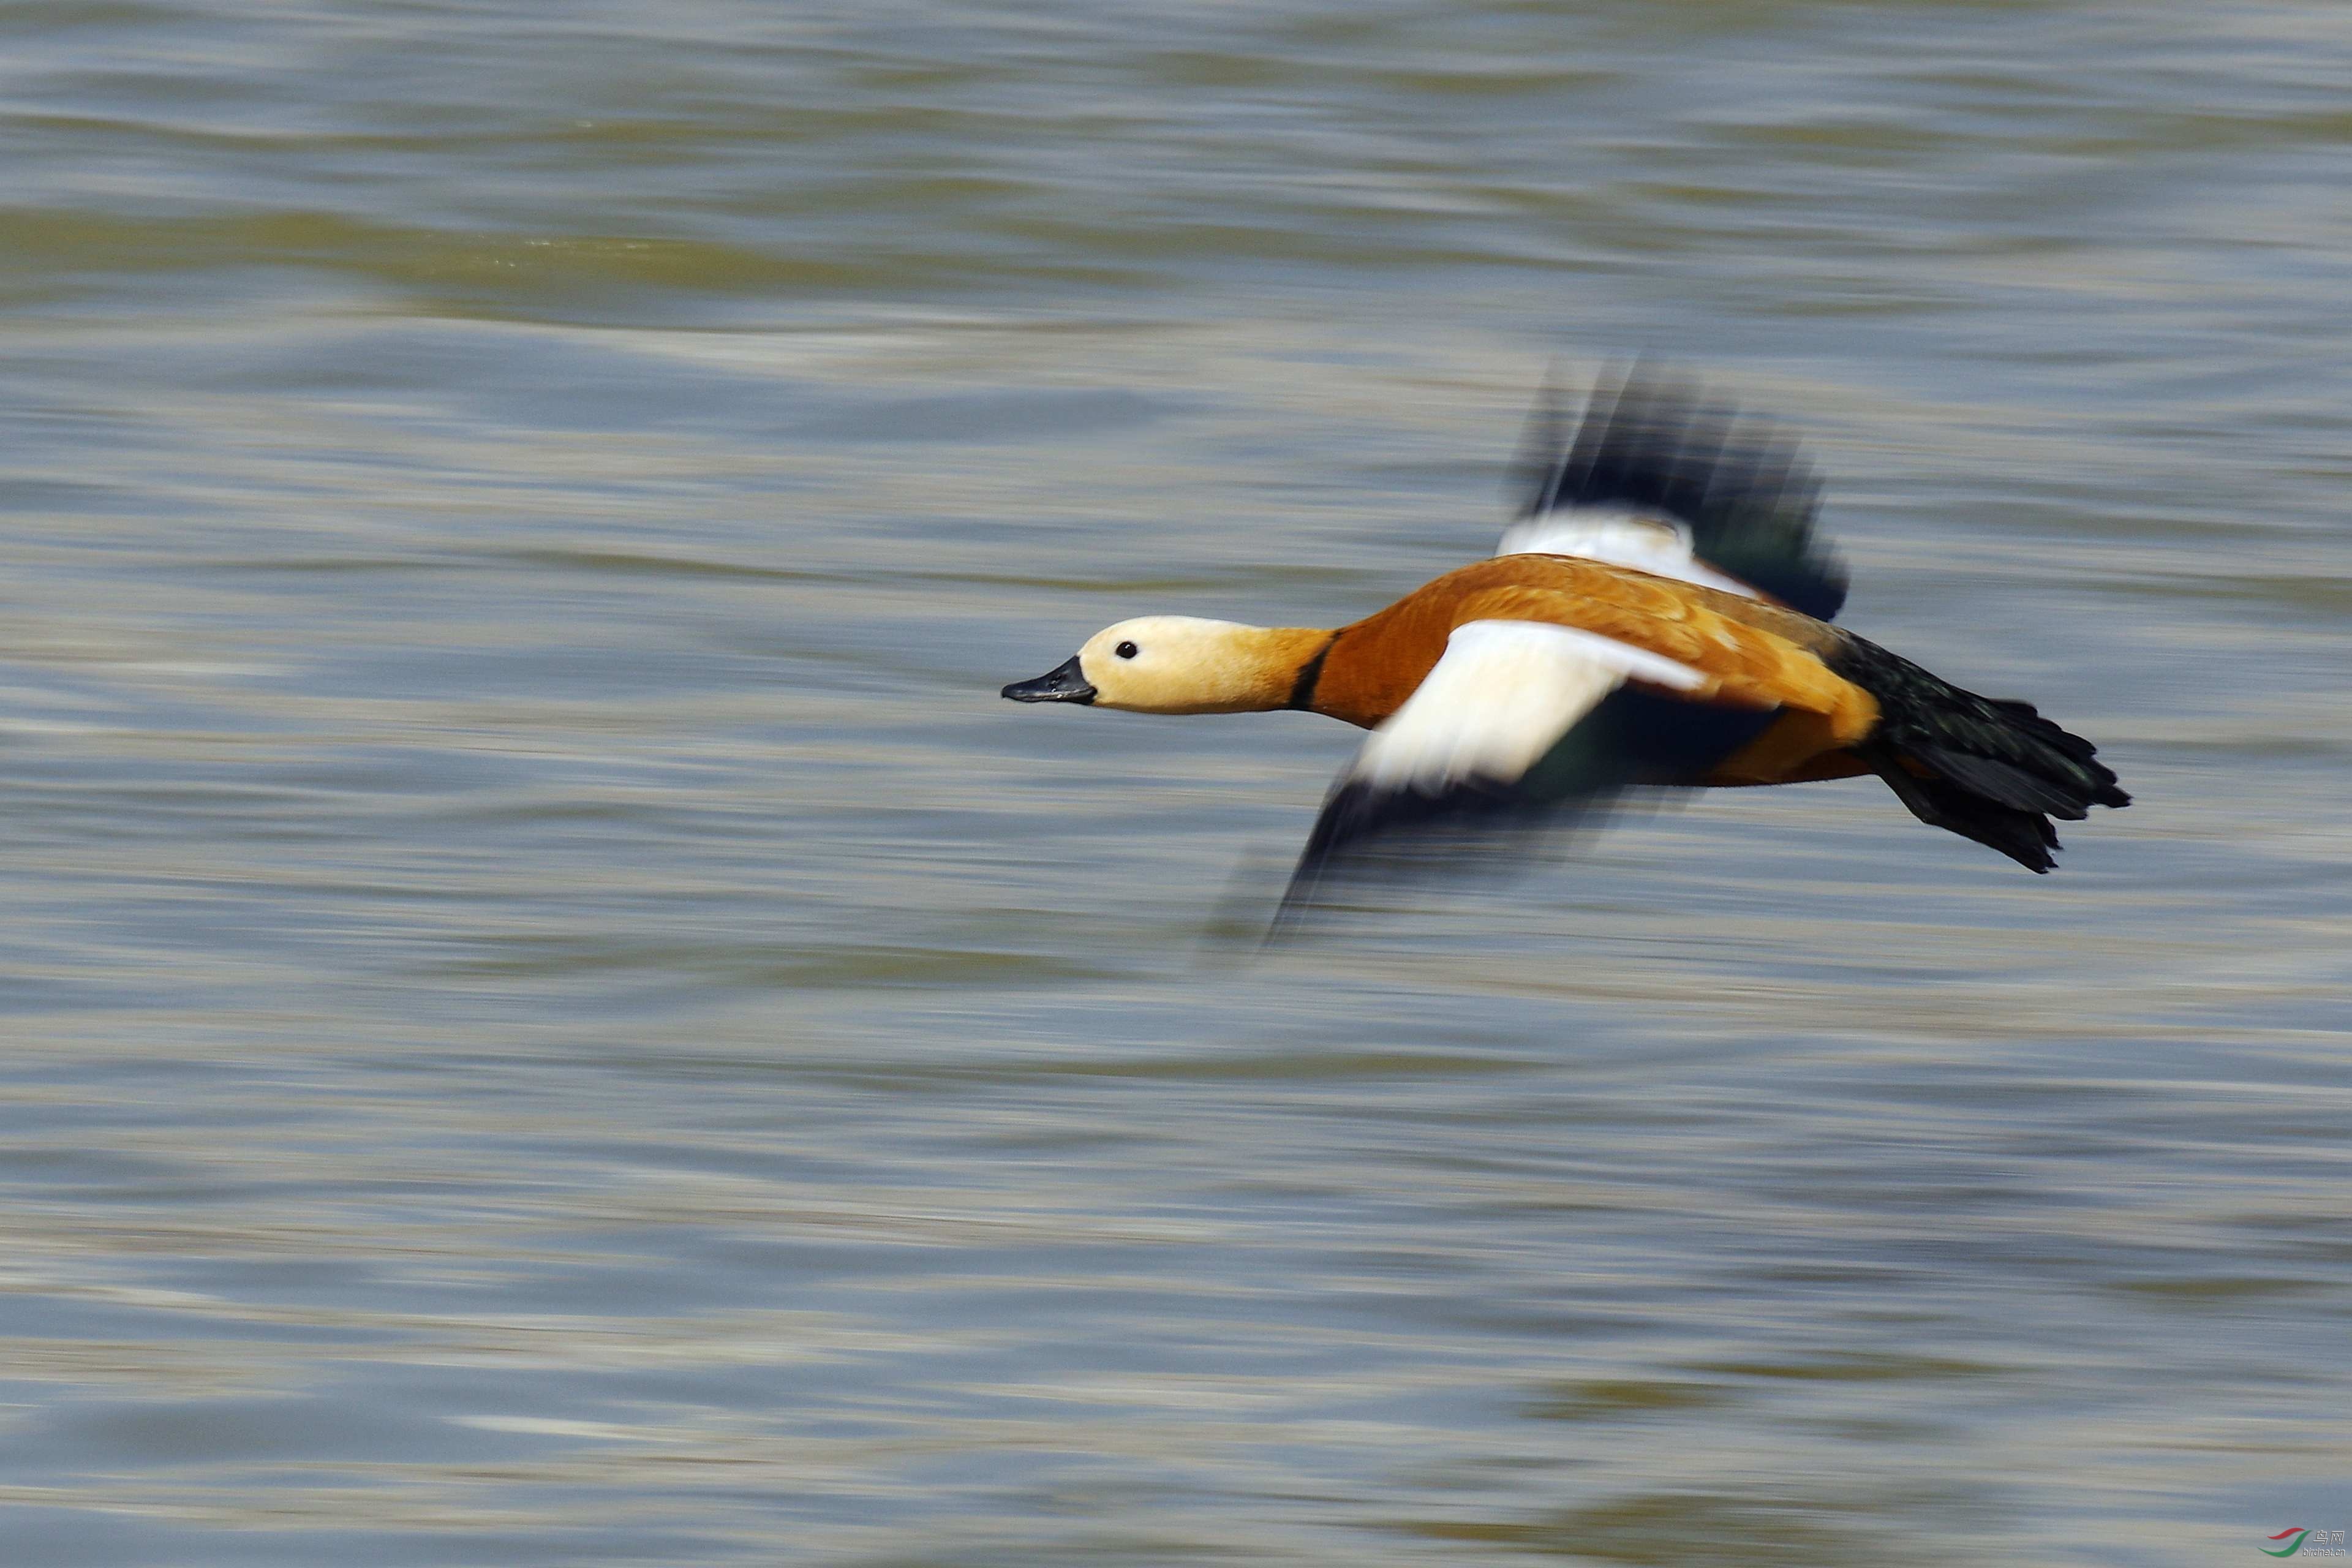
x,y
1657,615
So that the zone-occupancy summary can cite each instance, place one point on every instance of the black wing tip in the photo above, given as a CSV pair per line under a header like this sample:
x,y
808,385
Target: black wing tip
x,y
1652,438
1367,833
1360,815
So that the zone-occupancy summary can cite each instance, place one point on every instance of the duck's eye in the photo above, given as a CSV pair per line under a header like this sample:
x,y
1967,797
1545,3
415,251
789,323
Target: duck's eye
x,y
1125,650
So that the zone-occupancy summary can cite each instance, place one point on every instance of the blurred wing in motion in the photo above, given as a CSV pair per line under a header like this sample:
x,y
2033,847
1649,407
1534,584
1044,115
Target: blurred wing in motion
x,y
1656,481
1488,740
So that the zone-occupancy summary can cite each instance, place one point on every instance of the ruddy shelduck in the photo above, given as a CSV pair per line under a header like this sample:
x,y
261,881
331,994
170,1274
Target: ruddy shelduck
x,y
1658,615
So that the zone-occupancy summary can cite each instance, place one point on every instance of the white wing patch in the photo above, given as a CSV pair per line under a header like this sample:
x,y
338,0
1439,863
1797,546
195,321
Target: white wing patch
x,y
1502,696
1642,541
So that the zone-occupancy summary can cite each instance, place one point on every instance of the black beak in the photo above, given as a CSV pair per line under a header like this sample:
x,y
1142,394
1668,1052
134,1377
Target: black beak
x,y
1064,685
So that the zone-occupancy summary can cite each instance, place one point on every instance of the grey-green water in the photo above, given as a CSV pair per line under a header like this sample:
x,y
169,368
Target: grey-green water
x,y
552,1016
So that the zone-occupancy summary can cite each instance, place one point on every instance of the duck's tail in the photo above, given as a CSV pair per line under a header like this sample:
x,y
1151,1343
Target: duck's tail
x,y
1984,768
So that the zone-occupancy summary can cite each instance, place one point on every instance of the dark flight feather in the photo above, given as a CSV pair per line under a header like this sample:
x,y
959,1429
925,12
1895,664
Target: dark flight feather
x,y
1650,444
1368,833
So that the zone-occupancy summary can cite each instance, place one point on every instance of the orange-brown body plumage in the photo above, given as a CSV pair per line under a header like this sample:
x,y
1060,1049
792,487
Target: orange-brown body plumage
x,y
1754,655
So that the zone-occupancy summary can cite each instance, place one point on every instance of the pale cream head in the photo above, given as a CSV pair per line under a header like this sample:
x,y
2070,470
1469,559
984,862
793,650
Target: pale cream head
x,y
1180,664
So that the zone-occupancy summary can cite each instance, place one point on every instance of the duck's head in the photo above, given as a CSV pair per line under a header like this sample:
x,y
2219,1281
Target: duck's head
x,y
1172,664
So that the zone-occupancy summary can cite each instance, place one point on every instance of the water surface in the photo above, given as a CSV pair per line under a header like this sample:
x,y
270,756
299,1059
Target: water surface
x,y
550,1016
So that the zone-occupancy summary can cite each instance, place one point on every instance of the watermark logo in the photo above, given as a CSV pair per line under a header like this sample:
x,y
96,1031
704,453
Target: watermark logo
x,y
2298,1537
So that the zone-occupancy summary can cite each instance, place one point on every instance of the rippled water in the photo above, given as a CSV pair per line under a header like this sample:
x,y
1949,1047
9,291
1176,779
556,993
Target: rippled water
x,y
553,1017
